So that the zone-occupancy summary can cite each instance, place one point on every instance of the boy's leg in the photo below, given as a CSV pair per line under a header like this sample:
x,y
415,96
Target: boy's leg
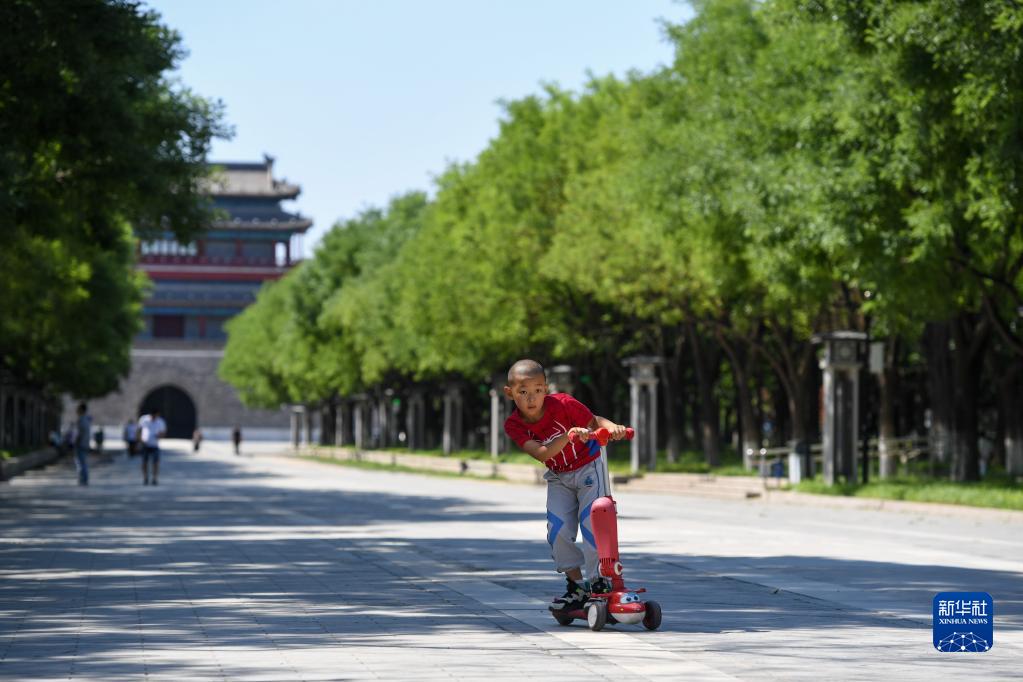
x,y
589,486
562,524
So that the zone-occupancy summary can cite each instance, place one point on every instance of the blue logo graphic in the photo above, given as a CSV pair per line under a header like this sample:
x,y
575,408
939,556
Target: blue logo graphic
x,y
588,481
964,622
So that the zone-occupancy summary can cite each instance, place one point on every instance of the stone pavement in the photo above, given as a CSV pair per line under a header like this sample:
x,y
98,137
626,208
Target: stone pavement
x,y
271,568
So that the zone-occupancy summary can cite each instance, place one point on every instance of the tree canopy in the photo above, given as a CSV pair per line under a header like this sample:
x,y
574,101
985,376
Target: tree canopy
x,y
98,140
800,167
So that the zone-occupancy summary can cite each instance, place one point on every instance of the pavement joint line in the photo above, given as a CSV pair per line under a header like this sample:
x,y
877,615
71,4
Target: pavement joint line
x,y
202,626
635,657
246,605
39,584
418,560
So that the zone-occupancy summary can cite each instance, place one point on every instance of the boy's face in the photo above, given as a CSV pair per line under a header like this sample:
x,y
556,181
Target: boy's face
x,y
528,394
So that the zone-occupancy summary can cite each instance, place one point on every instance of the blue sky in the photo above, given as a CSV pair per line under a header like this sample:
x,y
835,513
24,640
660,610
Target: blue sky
x,y
362,100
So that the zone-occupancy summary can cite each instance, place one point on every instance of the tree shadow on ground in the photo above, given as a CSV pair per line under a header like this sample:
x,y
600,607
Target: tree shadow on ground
x,y
92,579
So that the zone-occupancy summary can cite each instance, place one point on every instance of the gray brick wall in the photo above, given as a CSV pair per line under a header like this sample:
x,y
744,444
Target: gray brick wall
x,y
193,370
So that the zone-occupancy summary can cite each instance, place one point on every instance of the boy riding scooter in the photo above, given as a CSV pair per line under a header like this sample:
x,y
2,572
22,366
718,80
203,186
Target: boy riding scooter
x,y
541,424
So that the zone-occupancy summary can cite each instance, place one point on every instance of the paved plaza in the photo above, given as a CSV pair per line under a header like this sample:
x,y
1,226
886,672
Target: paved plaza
x,y
265,567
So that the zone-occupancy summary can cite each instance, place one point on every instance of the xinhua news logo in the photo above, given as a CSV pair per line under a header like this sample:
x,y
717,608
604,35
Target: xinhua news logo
x,y
964,622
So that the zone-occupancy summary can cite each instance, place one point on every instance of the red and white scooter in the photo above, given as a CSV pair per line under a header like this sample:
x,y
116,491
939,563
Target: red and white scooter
x,y
621,604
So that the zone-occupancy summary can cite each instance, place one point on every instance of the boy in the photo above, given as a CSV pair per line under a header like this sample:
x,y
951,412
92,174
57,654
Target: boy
x,y
540,424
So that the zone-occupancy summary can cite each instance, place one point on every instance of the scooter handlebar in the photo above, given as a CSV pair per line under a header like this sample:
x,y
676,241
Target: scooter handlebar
x,y
603,436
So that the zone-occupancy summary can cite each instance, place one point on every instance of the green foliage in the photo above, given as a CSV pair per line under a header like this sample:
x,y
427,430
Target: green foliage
x,y
327,326
799,167
252,356
96,138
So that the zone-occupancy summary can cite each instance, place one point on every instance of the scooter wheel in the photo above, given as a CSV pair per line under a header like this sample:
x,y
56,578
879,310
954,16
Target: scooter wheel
x,y
652,619
562,618
596,615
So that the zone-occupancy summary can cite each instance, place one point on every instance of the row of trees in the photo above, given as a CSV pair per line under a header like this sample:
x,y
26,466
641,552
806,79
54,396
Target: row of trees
x,y
800,167
96,140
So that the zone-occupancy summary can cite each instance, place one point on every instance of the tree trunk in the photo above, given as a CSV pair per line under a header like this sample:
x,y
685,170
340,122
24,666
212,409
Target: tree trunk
x,y
674,408
888,385
792,361
1012,417
706,363
328,418
937,338
971,337
742,360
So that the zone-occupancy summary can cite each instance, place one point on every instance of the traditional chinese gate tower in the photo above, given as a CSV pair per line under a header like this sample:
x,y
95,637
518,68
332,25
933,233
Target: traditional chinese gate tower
x,y
197,288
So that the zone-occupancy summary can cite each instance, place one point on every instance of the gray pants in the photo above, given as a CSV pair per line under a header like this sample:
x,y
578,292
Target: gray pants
x,y
569,496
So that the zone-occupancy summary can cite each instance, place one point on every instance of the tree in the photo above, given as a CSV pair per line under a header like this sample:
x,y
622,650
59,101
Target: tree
x,y
96,137
253,353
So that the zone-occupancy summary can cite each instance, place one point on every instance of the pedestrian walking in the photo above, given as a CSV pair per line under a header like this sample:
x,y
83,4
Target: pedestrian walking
x,y
151,428
196,439
236,436
83,434
130,435
98,437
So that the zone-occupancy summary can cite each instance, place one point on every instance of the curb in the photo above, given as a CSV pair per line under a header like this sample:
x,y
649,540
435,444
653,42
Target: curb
x,y
17,465
900,506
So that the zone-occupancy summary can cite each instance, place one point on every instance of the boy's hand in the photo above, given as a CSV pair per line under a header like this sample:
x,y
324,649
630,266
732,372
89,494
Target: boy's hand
x,y
617,431
579,433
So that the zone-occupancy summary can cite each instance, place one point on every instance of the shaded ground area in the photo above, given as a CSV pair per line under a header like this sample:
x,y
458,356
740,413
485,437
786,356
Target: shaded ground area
x,y
270,568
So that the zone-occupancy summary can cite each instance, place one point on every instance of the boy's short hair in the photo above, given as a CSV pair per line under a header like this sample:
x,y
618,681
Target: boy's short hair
x,y
526,369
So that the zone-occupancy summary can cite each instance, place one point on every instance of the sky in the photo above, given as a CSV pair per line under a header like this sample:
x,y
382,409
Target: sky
x,y
361,100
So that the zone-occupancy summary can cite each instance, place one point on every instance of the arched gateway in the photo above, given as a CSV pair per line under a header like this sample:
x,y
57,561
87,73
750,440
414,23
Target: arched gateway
x,y
176,408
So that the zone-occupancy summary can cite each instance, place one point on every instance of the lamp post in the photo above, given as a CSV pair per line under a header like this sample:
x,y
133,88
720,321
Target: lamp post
x,y
296,425
561,379
843,356
497,399
643,412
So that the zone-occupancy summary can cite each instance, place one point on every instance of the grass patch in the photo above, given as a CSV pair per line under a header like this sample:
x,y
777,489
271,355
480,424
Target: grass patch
x,y
379,466
695,462
619,461
996,492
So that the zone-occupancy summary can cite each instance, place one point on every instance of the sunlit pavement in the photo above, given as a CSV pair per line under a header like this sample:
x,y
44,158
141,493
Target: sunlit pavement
x,y
265,567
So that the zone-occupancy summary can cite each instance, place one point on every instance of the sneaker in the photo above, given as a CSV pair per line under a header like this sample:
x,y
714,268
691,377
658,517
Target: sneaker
x,y
600,586
145,481
155,482
574,598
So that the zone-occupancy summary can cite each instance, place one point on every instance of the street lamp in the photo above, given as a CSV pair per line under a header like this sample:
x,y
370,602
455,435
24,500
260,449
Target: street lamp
x,y
844,352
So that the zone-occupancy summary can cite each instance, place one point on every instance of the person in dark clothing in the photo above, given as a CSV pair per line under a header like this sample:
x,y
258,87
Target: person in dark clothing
x,y
236,436
83,433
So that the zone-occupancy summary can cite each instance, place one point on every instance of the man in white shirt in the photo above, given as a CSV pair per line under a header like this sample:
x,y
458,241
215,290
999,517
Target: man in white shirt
x,y
151,427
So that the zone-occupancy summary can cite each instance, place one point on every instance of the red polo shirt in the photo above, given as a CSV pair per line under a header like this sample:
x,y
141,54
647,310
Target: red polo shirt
x,y
561,412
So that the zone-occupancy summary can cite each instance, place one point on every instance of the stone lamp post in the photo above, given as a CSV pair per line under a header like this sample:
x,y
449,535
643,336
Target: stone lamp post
x,y
643,413
499,411
561,379
844,352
